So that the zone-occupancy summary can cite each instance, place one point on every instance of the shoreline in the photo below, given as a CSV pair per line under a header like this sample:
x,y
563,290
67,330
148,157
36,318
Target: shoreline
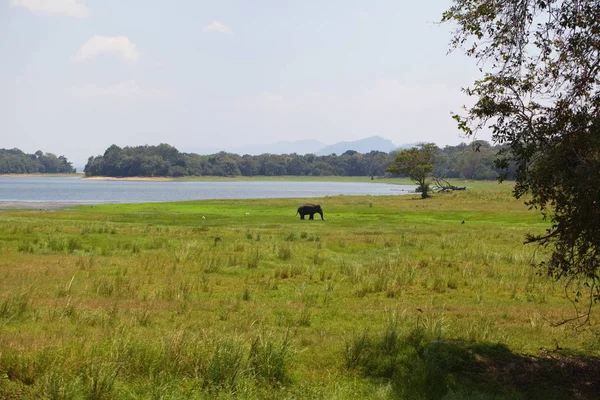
x,y
256,178
91,178
43,205
128,178
39,175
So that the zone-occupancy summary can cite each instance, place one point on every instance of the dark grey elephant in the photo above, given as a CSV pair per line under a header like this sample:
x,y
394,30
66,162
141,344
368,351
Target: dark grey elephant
x,y
310,209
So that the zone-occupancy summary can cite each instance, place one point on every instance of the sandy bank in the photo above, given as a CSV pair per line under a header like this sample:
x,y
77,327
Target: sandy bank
x,y
129,178
91,178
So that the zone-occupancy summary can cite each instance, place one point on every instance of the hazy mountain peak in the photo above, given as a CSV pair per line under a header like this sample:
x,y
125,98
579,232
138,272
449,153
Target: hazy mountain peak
x,y
362,146
307,146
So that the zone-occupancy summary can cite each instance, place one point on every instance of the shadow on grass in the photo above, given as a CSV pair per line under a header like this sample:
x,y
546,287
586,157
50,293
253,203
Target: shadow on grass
x,y
420,368
494,368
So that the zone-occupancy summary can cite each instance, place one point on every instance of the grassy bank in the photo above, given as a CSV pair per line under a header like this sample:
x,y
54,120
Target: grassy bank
x,y
390,297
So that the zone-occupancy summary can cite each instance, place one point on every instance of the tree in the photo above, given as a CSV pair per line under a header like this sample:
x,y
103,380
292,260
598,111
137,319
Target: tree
x,y
15,161
540,96
248,165
417,164
296,165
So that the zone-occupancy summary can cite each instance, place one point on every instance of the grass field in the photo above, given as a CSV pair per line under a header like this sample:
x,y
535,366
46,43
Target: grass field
x,y
390,297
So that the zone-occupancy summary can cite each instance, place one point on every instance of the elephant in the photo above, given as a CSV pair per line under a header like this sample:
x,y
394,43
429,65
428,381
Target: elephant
x,y
310,209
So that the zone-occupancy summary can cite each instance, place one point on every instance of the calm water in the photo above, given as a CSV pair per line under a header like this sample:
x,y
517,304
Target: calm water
x,y
76,190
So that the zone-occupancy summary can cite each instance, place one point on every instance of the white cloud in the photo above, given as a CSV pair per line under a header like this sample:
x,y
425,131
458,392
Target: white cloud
x,y
218,27
70,8
122,89
119,46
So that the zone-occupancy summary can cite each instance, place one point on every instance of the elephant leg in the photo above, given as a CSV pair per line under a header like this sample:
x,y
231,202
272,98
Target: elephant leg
x,y
312,216
301,216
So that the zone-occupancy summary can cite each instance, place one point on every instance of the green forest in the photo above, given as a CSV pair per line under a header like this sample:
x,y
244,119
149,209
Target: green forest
x,y
14,161
465,161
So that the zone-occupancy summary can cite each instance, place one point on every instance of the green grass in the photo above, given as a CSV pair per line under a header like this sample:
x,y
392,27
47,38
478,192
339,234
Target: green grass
x,y
387,298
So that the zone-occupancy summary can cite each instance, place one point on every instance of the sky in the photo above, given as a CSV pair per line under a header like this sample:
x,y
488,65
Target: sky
x,y
77,76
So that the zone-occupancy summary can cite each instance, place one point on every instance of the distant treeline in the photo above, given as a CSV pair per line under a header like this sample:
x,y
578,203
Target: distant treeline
x,y
467,161
165,160
470,161
14,161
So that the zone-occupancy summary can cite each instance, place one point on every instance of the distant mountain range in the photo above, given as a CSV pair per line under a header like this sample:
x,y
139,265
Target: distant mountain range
x,y
362,146
310,147
284,147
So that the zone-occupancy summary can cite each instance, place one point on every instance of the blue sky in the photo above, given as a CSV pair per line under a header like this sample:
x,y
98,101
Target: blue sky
x,y
80,75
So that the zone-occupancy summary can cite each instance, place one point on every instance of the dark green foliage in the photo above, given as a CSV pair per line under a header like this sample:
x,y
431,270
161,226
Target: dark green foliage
x,y
540,97
14,161
165,160
161,160
474,161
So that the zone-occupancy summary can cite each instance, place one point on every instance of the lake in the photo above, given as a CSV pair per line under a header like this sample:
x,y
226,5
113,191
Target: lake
x,y
30,191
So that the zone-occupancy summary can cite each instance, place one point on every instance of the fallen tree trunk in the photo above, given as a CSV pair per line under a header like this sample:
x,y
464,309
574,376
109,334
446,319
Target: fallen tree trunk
x,y
442,185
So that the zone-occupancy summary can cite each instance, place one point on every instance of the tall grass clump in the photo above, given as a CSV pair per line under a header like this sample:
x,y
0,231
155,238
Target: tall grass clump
x,y
290,237
225,368
268,360
304,317
57,384
26,368
14,306
246,294
55,244
73,243
99,379
375,355
284,252
252,259
211,263
26,246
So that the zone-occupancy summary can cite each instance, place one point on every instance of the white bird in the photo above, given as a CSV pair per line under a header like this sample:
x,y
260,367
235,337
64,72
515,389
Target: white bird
x,y
247,213
203,217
